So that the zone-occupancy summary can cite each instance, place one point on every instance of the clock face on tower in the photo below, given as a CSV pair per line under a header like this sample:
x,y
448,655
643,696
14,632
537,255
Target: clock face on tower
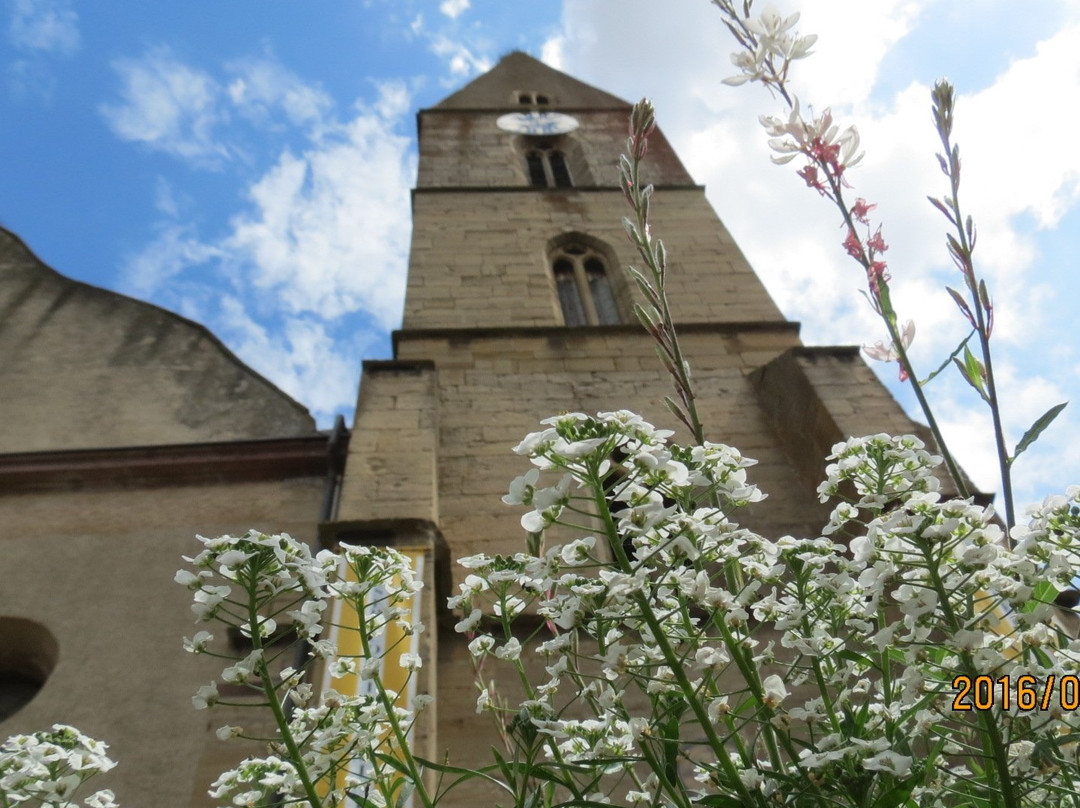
x,y
537,123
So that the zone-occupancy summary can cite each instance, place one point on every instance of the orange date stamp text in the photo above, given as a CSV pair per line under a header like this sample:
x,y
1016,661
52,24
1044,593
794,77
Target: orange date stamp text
x,y
1024,692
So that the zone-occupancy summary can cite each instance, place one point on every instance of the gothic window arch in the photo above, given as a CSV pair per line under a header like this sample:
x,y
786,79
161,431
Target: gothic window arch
x,y
584,284
547,166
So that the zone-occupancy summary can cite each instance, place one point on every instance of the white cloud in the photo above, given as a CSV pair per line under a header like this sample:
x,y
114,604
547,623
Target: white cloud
x,y
551,52
168,106
46,26
328,229
453,8
853,39
176,248
461,58
318,252
298,355
262,85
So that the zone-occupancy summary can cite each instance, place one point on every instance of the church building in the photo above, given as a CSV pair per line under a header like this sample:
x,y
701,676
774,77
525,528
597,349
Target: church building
x,y
126,429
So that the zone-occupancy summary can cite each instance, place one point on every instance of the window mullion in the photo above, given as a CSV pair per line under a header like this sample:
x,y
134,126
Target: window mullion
x,y
549,172
583,286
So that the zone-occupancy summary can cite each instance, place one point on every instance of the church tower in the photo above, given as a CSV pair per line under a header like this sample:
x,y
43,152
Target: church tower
x,y
518,308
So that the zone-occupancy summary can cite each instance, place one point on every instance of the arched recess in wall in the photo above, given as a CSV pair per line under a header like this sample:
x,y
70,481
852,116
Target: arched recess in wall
x,y
28,654
556,161
589,285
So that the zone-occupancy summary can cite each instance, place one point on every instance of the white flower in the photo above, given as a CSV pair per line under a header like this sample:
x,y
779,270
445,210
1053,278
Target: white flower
x,y
341,667
208,600
243,671
481,645
410,661
470,623
772,38
198,643
578,551
717,708
511,607
889,353
889,761
522,488
102,799
511,650
775,691
484,701
205,696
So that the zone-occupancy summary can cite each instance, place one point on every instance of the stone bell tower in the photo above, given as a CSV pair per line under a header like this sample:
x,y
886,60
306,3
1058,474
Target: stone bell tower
x,y
518,308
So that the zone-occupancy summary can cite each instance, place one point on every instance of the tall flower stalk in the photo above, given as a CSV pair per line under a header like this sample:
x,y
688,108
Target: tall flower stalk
x,y
768,45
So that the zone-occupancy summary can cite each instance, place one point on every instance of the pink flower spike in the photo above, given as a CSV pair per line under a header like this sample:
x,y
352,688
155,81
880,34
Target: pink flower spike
x,y
810,175
861,209
876,275
853,245
877,243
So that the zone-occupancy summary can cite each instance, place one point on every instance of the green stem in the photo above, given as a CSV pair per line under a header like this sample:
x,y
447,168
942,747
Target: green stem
x,y
888,315
672,659
388,705
981,323
270,691
998,752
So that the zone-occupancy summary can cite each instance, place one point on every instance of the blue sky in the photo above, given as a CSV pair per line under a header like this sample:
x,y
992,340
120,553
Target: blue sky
x,y
247,164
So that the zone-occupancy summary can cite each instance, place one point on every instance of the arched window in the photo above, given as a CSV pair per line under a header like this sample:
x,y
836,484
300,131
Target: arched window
x,y
547,167
583,286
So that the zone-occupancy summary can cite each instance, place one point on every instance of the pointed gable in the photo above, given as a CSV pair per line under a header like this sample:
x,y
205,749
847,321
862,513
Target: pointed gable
x,y
518,72
84,367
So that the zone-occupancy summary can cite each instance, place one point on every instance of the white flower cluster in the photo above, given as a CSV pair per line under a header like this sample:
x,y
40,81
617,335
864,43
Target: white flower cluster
x,y
272,590
770,44
819,139
662,623
47,768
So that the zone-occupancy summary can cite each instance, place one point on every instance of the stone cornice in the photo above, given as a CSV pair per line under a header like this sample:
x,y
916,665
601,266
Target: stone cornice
x,y
160,466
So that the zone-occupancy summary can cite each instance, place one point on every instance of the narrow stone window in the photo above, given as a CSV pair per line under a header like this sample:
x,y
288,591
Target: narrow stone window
x,y
607,313
583,286
573,308
537,173
547,167
560,173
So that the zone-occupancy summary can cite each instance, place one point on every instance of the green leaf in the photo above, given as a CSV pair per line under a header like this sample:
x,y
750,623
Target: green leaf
x,y
901,795
719,801
1045,592
1037,428
971,370
677,411
950,359
466,774
359,800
